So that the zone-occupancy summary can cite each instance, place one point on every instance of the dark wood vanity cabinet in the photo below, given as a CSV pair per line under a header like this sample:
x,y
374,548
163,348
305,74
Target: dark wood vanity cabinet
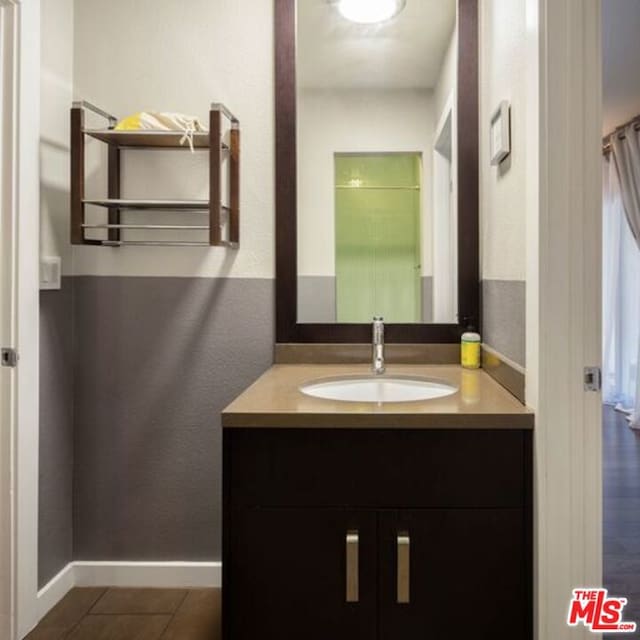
x,y
467,577
377,534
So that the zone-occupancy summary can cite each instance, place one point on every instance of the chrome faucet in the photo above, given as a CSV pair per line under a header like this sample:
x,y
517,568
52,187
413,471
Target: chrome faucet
x,y
378,346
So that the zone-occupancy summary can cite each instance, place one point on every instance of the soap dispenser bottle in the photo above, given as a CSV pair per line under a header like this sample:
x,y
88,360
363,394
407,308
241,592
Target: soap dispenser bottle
x,y
470,349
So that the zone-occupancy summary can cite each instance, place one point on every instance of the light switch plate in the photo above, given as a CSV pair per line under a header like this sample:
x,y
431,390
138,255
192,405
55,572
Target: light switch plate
x,y
50,272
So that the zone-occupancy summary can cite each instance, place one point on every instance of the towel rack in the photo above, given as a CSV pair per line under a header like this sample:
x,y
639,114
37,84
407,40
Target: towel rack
x,y
223,224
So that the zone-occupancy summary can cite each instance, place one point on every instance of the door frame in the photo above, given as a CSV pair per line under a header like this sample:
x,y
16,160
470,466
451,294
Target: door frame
x,y
417,220
20,127
564,301
445,216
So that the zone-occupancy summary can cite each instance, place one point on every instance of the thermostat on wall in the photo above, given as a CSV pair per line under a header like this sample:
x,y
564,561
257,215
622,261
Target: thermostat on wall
x,y
500,133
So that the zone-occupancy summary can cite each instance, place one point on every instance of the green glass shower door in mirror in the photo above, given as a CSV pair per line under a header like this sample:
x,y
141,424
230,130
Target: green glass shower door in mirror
x,y
377,223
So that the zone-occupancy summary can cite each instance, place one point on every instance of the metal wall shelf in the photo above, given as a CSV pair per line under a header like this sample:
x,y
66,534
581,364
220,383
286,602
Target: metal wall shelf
x,y
222,217
157,227
151,205
158,243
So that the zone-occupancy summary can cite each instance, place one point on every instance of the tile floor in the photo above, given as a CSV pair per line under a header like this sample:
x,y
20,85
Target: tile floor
x,y
133,614
621,476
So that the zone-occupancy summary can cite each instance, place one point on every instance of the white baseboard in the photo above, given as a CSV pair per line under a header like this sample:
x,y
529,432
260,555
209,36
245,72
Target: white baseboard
x,y
127,574
56,589
148,574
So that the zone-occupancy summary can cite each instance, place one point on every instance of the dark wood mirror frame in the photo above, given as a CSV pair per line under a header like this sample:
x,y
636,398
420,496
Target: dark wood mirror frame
x,y
288,330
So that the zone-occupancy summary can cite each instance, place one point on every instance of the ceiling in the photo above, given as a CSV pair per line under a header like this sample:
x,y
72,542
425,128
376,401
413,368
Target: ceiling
x,y
621,62
404,53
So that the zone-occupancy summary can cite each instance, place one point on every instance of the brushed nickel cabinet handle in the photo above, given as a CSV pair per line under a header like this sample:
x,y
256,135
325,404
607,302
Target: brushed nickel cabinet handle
x,y
403,569
352,553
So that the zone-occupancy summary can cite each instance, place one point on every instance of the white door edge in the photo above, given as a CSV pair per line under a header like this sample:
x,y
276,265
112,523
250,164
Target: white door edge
x,y
20,127
564,308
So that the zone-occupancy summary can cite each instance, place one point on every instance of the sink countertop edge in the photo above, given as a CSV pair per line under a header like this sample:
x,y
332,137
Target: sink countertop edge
x,y
274,400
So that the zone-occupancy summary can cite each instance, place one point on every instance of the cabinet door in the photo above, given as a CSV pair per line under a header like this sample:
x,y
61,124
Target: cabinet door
x,y
454,574
301,573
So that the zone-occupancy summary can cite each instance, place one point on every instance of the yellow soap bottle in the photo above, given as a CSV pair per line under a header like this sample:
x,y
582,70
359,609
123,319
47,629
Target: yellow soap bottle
x,y
470,349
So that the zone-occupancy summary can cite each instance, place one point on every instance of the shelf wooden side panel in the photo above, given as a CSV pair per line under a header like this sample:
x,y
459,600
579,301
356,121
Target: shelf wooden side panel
x,y
113,190
215,187
77,176
234,191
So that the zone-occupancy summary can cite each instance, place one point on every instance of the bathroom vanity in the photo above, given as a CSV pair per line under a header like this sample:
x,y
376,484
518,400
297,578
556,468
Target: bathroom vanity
x,y
364,520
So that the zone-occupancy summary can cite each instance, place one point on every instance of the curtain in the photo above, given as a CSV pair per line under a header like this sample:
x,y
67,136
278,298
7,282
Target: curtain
x,y
621,275
626,153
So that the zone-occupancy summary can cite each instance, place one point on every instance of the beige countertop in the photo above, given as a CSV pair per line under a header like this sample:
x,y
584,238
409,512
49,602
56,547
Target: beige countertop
x,y
275,400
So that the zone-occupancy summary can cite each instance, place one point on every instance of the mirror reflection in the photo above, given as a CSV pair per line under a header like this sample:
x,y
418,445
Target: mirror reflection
x,y
376,153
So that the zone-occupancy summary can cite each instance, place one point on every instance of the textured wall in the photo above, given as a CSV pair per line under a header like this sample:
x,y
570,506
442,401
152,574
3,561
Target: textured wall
x,y
504,321
503,189
55,530
56,377
178,56
317,299
56,94
427,298
156,360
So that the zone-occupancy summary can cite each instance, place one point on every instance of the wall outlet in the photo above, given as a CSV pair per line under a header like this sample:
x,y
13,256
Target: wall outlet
x,y
50,272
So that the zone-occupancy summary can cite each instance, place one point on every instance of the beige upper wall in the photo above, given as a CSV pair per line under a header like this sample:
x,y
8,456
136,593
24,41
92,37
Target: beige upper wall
x,y
448,75
56,86
503,190
177,56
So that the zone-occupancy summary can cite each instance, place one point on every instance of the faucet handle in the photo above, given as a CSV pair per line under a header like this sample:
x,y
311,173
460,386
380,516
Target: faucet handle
x,y
378,319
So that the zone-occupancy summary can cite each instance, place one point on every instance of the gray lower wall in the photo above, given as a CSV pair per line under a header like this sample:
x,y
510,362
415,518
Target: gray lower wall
x,y
55,527
504,318
427,298
317,299
130,449
156,360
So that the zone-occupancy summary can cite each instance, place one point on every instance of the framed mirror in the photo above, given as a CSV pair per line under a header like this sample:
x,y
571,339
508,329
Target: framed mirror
x,y
376,169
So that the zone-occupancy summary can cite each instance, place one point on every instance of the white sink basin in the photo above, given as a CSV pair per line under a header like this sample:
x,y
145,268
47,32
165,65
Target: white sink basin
x,y
384,388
